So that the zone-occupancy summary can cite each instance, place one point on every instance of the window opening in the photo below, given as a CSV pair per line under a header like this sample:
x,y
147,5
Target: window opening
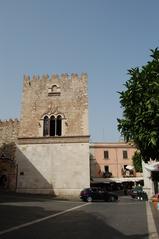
x,y
106,154
125,154
52,126
106,168
58,125
46,126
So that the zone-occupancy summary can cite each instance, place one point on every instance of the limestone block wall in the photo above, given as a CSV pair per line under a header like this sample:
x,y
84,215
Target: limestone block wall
x,y
54,163
59,169
8,137
55,95
9,130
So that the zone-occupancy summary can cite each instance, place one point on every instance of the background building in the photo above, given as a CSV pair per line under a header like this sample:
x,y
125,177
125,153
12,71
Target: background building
x,y
113,162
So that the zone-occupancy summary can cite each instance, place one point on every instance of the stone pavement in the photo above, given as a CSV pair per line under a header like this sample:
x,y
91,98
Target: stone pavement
x,y
152,212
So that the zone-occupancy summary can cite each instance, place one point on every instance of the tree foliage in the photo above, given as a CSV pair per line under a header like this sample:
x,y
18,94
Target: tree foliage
x,y
137,161
140,103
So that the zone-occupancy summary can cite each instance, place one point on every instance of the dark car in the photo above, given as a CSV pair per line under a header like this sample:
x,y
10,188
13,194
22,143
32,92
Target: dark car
x,y
91,194
138,194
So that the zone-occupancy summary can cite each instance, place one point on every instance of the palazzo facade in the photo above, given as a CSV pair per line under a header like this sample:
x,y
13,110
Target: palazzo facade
x,y
53,141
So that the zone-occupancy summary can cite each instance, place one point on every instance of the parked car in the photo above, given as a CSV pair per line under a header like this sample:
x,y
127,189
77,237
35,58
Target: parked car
x,y
138,194
94,193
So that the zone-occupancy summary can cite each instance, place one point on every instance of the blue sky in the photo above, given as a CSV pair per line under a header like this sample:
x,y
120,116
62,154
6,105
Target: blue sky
x,y
104,38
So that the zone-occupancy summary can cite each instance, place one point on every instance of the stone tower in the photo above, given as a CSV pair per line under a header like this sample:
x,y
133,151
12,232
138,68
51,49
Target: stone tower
x,y
53,142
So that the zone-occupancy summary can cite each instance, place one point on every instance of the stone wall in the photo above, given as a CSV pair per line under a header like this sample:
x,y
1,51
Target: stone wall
x,y
58,169
54,164
9,130
56,95
8,139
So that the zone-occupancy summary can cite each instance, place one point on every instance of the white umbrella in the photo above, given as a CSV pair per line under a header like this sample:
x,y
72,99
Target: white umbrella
x,y
129,167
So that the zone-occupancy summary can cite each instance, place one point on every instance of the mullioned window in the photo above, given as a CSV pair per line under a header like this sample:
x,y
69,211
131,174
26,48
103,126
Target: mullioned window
x,y
52,126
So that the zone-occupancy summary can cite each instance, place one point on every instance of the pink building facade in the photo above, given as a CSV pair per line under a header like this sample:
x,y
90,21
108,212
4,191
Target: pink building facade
x,y
113,161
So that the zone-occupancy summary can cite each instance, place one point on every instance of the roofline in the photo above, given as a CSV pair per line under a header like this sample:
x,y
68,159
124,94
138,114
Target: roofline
x,y
111,145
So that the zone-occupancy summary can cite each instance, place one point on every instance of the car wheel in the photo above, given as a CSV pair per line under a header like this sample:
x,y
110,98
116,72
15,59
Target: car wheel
x,y
89,199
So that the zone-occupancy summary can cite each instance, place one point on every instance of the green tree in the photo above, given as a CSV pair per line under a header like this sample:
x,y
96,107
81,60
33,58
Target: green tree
x,y
137,161
140,103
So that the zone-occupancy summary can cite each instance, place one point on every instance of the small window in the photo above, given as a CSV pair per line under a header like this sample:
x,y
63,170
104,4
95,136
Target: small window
x,y
106,154
125,154
54,90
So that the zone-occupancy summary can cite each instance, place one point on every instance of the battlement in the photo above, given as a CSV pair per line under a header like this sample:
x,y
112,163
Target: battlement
x,y
10,122
62,77
9,130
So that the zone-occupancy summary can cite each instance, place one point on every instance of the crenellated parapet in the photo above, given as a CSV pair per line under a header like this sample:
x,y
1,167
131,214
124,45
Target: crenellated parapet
x,y
10,122
9,130
63,77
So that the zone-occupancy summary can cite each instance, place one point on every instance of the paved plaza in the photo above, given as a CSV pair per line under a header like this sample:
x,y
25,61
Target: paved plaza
x,y
34,216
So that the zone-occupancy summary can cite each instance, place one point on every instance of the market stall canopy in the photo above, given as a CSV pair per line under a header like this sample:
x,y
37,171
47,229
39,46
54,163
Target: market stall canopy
x,y
152,166
117,180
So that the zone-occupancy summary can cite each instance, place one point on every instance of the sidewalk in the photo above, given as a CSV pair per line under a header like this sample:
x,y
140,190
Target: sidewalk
x,y
155,213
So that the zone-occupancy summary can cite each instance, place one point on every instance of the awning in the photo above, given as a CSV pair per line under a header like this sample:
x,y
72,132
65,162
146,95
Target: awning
x,y
117,180
152,166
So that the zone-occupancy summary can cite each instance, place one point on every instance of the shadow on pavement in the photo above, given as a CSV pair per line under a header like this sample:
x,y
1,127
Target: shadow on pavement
x,y
77,224
23,197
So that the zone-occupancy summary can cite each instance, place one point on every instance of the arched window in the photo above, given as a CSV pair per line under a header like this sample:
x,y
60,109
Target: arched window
x,y
54,88
59,125
46,126
52,126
